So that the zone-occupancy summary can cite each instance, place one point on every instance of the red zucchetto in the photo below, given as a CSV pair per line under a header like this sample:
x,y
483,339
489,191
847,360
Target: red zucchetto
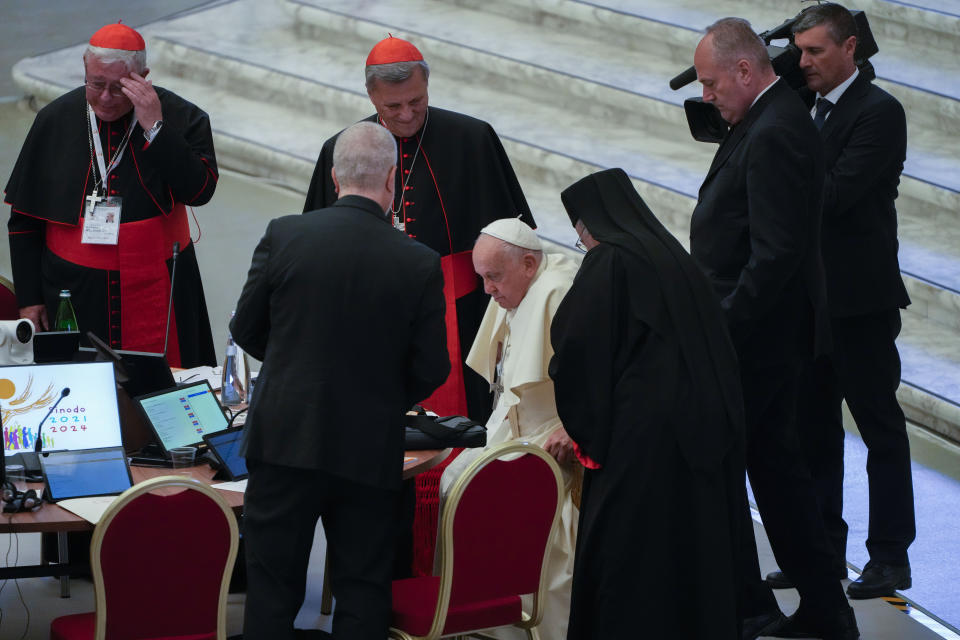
x,y
390,50
118,36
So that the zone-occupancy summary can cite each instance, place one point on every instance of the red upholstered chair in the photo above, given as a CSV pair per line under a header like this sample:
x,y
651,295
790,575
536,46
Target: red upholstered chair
x,y
495,528
9,310
162,556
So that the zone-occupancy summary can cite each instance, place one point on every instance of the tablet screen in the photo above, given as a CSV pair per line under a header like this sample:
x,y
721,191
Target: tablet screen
x,y
226,446
90,472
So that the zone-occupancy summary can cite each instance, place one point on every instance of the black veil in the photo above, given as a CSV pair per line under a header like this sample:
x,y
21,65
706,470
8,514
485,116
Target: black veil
x,y
615,214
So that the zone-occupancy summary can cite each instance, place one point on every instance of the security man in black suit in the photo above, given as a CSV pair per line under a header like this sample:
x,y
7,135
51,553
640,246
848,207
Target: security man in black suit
x,y
755,233
864,133
347,315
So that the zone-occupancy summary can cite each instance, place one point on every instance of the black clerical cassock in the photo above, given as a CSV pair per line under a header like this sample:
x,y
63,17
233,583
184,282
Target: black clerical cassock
x,y
120,291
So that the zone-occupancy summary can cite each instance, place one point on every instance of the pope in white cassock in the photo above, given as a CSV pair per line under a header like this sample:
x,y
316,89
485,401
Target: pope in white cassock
x,y
512,352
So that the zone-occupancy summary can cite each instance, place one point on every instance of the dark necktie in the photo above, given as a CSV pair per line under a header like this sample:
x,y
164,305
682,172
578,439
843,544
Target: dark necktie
x,y
823,108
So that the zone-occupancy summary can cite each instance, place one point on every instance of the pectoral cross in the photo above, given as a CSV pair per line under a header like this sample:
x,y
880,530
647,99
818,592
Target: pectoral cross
x,y
399,224
496,387
93,199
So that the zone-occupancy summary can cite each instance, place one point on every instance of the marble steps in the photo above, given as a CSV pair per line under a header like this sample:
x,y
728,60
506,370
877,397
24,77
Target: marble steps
x,y
565,65
923,201
285,71
920,72
539,153
930,378
644,31
933,25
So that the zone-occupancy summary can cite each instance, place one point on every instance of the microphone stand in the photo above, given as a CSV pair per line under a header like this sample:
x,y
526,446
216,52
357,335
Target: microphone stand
x,y
173,275
31,460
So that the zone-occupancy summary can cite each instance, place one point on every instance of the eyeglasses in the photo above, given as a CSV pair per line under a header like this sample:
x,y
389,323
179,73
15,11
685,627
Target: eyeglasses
x,y
98,86
579,243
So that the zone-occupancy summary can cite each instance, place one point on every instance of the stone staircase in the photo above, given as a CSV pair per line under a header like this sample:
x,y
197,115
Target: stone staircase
x,y
572,87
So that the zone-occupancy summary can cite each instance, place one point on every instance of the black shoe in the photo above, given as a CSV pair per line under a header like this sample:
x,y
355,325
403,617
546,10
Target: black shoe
x,y
841,626
762,625
879,579
779,580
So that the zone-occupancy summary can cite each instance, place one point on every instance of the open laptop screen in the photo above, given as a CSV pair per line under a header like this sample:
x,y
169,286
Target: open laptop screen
x,y
90,472
86,418
180,417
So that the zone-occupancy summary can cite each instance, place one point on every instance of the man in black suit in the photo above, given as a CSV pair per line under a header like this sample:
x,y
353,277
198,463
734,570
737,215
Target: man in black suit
x,y
864,134
347,315
755,233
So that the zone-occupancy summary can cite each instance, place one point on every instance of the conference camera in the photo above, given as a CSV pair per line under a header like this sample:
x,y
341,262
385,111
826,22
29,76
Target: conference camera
x,y
706,124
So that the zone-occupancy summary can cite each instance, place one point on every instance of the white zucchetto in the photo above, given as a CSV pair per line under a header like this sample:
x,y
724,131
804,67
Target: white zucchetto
x,y
515,232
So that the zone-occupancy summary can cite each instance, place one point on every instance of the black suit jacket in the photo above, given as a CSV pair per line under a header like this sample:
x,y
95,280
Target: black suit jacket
x,y
347,315
756,227
865,144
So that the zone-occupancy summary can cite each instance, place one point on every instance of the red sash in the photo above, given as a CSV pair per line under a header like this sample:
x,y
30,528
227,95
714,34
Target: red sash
x,y
140,256
459,279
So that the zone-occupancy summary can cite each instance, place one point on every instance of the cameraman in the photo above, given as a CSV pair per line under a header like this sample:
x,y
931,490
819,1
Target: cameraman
x,y
864,135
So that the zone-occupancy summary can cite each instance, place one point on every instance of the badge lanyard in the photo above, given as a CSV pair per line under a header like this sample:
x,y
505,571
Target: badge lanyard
x,y
102,219
98,149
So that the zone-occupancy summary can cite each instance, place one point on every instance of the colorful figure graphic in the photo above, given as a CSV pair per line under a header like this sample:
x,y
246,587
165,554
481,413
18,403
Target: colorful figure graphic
x,y
17,436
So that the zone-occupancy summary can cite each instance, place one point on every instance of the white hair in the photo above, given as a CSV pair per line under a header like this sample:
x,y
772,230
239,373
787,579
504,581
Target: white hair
x,y
363,155
135,61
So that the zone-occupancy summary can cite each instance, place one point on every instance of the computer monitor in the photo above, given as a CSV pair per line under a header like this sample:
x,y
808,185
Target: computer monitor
x,y
85,418
180,417
225,446
141,372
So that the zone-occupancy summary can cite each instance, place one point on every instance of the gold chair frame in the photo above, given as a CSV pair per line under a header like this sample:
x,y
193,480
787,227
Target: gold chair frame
x,y
529,621
7,284
148,486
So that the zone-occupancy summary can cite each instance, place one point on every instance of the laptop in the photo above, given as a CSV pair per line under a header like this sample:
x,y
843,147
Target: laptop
x,y
55,346
225,446
140,372
85,472
69,406
181,416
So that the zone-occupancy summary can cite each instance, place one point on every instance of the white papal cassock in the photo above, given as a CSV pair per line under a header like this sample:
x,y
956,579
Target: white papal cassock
x,y
526,410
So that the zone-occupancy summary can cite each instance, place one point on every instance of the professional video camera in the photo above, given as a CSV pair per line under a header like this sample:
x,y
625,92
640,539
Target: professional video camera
x,y
704,119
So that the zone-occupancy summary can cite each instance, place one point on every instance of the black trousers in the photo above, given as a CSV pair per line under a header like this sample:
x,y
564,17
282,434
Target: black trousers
x,y
281,508
785,492
864,369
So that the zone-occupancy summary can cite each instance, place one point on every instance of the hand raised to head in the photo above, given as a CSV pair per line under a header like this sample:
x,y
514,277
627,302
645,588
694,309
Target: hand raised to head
x,y
146,103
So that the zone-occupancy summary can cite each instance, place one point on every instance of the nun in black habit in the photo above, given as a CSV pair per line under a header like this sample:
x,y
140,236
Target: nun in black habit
x,y
647,387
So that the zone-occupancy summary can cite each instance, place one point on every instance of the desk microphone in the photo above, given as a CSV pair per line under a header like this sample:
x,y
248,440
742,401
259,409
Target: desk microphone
x,y
38,446
173,275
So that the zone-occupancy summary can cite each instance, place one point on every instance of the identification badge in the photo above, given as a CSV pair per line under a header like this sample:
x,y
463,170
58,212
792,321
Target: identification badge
x,y
101,224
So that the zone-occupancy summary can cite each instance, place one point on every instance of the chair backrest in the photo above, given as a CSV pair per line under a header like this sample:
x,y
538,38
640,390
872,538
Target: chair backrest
x,y
162,556
496,527
9,309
